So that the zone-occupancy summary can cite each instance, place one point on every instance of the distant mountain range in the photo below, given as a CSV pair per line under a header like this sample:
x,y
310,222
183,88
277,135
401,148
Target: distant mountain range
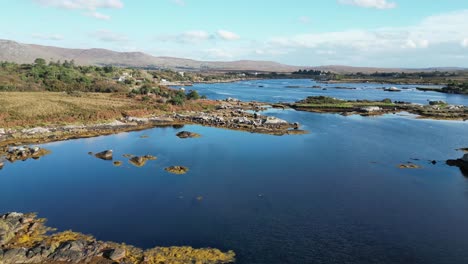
x,y
27,53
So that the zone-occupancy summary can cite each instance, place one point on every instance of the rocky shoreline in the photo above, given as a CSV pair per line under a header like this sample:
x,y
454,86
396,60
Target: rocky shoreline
x,y
229,114
24,238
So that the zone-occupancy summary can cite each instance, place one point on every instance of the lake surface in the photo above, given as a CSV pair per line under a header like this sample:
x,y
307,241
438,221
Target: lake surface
x,y
332,196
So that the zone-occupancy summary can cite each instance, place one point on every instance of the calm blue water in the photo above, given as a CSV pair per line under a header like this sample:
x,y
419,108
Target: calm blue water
x,y
274,91
332,196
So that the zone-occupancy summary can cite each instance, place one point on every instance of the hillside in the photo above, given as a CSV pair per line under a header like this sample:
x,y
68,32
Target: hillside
x,y
12,51
26,53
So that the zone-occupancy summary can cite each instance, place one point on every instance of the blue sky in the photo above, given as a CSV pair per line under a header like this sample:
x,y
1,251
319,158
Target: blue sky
x,y
384,33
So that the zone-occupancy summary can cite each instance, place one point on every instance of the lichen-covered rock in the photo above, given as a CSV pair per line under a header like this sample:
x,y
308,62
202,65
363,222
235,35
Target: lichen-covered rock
x,y
25,239
117,254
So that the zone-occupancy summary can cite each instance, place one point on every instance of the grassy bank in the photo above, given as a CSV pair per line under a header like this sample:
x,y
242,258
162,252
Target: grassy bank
x,y
30,109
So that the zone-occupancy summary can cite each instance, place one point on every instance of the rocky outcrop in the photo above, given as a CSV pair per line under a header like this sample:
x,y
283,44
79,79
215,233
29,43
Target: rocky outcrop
x,y
462,163
187,134
105,155
177,169
140,161
25,239
23,153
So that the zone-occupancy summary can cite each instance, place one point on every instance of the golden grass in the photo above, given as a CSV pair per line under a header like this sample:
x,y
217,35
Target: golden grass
x,y
29,109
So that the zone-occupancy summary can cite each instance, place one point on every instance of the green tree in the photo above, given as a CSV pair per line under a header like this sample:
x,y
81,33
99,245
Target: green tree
x,y
40,62
193,95
179,98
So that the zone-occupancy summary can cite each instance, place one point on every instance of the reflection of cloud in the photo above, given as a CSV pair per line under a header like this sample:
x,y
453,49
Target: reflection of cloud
x,y
53,144
122,135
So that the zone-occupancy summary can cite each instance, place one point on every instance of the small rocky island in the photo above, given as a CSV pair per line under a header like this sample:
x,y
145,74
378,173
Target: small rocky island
x,y
434,110
24,238
23,153
177,169
187,134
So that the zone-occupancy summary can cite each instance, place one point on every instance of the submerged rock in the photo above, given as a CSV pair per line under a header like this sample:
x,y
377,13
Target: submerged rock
x,y
117,163
409,166
177,169
105,155
187,134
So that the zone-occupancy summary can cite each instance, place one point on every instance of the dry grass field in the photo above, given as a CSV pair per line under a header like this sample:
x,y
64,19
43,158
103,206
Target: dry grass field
x,y
28,109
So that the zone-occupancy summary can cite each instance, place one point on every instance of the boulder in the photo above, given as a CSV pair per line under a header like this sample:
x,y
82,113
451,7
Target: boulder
x,y
2,164
117,254
140,161
271,120
187,134
105,155
232,100
371,109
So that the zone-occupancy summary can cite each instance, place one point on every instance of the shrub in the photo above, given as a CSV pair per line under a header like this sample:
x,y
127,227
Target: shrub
x,y
193,95
178,98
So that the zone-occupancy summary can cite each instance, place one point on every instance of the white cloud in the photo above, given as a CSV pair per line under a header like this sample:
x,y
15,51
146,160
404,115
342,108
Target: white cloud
x,y
109,36
304,19
89,6
378,4
54,37
414,44
227,35
82,4
98,15
179,2
441,35
439,29
464,43
193,36
198,36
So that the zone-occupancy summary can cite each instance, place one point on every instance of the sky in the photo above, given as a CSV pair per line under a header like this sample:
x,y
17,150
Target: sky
x,y
377,33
